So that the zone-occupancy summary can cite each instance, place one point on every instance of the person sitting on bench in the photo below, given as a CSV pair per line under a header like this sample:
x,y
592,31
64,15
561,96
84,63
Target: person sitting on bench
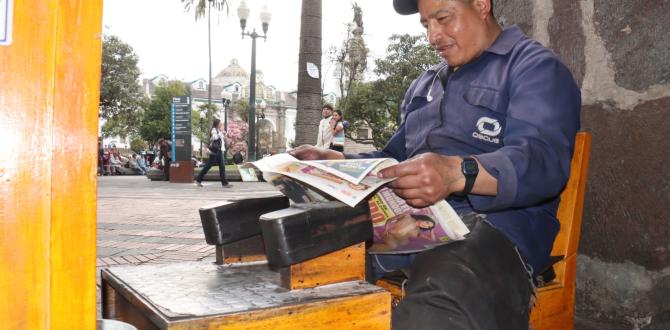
x,y
491,129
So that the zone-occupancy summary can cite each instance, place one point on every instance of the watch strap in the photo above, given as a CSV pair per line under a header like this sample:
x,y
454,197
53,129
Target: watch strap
x,y
470,176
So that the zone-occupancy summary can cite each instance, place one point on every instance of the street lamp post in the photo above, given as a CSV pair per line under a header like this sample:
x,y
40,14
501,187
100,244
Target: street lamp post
x,y
226,98
202,129
260,117
265,16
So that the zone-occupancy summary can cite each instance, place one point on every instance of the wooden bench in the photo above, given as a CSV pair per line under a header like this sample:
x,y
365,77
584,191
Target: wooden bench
x,y
555,305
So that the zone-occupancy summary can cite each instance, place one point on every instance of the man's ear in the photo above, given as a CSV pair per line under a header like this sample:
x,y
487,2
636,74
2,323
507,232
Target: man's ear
x,y
483,8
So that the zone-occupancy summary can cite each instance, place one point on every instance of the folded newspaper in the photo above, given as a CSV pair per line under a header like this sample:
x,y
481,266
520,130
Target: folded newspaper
x,y
398,227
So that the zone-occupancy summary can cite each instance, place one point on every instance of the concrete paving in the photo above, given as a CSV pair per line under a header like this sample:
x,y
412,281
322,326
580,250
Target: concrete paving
x,y
150,222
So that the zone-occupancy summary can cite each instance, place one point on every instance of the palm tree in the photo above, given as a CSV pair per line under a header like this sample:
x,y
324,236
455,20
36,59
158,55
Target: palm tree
x,y
309,88
200,7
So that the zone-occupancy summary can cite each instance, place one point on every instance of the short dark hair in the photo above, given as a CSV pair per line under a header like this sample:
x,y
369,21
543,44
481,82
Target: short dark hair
x,y
327,105
423,217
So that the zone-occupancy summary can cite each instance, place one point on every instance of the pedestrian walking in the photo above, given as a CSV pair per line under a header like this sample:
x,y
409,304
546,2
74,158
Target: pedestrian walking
x,y
216,149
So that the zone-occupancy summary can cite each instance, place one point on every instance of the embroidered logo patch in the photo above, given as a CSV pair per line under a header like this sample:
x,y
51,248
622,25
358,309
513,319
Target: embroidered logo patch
x,y
487,130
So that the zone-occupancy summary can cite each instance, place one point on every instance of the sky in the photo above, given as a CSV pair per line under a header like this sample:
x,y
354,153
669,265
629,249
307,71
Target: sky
x,y
169,41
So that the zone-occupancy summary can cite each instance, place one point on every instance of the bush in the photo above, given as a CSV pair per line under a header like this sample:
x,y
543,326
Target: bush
x,y
137,145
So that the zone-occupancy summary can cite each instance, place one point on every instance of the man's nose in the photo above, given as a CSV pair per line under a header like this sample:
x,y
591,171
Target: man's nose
x,y
434,33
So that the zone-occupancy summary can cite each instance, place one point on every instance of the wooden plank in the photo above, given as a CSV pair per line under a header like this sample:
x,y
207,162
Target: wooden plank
x,y
74,164
247,250
555,305
347,264
370,311
49,95
571,207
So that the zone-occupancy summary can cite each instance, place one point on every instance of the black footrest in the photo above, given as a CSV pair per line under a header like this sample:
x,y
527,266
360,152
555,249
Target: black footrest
x,y
306,231
232,221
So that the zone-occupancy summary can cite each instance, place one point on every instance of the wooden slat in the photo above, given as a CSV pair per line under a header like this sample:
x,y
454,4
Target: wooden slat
x,y
370,311
48,122
571,208
74,166
26,76
347,264
555,305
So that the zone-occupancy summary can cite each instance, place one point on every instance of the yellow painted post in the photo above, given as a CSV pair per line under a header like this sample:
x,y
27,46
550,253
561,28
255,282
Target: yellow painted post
x,y
49,85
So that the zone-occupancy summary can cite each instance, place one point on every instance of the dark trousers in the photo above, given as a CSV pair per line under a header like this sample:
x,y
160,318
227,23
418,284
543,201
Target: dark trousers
x,y
211,161
166,168
478,283
337,148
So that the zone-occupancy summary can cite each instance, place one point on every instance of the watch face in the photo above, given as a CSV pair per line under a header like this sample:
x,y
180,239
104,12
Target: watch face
x,y
470,166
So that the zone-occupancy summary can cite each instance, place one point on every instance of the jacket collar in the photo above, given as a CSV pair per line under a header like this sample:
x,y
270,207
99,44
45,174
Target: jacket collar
x,y
506,40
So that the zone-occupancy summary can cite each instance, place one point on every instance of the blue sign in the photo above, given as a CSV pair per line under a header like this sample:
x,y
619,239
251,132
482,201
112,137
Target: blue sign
x,y
180,121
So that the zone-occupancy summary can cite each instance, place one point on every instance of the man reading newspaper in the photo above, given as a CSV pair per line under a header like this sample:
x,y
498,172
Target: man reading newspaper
x,y
490,129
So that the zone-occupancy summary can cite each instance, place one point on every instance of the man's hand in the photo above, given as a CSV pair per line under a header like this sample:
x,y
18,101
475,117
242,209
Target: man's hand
x,y
309,152
426,179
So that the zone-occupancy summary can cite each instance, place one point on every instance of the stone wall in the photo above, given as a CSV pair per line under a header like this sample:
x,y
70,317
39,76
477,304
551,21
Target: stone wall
x,y
619,53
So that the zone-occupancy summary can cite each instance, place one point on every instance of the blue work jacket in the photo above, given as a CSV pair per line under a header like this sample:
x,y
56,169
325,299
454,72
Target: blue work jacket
x,y
516,109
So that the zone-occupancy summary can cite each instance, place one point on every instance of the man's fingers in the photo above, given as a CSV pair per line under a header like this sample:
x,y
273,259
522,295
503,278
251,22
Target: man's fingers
x,y
398,170
415,197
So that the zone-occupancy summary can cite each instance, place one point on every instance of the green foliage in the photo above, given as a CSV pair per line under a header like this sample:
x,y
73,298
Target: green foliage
x,y
209,109
241,108
199,7
156,118
406,58
137,145
367,106
199,126
120,95
376,104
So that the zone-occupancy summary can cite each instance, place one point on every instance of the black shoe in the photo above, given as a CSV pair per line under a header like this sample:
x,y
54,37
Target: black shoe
x,y
227,185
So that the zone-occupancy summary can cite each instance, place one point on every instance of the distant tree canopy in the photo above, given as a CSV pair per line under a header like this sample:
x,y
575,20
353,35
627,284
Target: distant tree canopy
x,y
376,104
156,118
120,94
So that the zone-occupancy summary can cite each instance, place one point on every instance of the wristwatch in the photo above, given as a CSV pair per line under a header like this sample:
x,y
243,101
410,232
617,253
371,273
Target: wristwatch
x,y
470,169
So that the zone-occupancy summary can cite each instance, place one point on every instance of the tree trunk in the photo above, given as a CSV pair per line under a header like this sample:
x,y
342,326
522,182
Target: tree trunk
x,y
309,89
210,117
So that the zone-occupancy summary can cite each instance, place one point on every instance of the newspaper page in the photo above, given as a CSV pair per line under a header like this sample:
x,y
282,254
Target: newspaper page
x,y
353,170
400,228
330,177
295,190
247,174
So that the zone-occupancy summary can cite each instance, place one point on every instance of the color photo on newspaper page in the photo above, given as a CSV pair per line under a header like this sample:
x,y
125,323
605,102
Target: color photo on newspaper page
x,y
400,228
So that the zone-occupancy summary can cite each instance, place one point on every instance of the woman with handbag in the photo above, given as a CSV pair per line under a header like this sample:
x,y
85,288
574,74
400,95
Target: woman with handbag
x,y
216,149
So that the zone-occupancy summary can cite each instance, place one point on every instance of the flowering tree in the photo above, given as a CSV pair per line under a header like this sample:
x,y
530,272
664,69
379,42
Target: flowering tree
x,y
236,136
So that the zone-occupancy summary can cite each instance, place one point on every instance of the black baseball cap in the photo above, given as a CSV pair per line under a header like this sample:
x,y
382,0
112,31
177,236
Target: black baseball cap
x,y
406,7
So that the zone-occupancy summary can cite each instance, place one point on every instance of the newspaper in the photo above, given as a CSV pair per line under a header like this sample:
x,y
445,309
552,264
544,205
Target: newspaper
x,y
400,228
348,180
397,227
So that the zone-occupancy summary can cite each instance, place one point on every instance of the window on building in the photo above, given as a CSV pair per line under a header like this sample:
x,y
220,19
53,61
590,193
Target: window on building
x,y
362,133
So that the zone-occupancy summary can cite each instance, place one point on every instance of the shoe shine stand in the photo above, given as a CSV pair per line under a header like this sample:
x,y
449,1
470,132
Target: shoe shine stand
x,y
277,267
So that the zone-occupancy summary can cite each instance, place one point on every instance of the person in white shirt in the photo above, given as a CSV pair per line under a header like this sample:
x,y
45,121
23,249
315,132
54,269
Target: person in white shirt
x,y
217,149
325,130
